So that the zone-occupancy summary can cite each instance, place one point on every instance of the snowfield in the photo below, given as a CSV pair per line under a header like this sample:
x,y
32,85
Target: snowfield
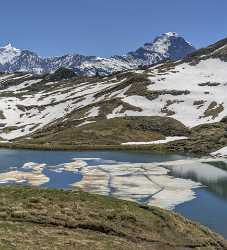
x,y
194,81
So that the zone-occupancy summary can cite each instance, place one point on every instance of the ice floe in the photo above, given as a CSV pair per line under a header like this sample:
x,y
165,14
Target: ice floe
x,y
141,182
164,184
32,178
74,166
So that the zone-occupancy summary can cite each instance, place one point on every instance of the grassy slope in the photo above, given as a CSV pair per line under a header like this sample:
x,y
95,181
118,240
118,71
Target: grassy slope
x,y
54,219
104,134
109,134
203,139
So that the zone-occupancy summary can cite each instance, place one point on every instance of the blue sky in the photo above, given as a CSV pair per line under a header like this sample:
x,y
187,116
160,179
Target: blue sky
x,y
107,27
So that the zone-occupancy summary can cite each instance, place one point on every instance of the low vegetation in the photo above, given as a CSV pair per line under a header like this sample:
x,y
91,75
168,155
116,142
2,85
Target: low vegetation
x,y
54,219
108,132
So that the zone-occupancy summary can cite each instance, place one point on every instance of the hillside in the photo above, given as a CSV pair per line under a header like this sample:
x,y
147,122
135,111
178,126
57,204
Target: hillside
x,y
184,98
54,219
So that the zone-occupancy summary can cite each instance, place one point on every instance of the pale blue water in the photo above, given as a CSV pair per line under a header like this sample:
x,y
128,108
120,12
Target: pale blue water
x,y
209,208
17,158
14,158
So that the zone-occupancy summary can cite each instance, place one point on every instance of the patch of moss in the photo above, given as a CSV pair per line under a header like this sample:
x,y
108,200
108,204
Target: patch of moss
x,y
213,110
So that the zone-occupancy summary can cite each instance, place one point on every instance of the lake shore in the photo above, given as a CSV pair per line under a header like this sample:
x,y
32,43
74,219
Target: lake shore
x,y
160,148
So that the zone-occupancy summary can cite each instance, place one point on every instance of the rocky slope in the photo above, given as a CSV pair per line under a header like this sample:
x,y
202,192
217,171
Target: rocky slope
x,y
55,219
166,46
184,98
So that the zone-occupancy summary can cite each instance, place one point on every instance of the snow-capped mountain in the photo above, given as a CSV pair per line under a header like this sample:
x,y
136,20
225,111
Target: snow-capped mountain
x,y
167,46
9,54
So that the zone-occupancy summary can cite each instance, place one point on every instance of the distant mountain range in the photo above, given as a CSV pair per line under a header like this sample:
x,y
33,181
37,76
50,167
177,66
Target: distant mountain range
x,y
166,46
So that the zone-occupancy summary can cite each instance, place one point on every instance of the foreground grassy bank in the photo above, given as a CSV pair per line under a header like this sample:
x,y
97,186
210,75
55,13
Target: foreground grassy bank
x,y
54,219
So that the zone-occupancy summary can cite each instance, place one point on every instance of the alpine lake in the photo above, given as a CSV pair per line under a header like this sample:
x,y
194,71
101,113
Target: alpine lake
x,y
193,187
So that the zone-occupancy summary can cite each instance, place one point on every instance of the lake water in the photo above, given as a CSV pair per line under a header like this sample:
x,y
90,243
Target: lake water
x,y
122,174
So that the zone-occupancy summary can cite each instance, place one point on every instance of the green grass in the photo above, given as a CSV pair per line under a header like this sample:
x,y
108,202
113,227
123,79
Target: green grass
x,y
104,134
32,218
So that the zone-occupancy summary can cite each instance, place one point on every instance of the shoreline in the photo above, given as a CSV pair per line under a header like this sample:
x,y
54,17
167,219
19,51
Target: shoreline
x,y
159,148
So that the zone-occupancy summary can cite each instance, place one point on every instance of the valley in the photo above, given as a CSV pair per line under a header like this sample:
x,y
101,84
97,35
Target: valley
x,y
113,125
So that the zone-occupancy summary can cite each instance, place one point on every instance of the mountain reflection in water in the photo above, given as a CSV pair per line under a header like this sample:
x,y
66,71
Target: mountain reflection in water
x,y
212,174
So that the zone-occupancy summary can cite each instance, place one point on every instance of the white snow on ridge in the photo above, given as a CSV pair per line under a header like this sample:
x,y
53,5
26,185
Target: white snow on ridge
x,y
220,153
8,53
161,45
106,64
85,123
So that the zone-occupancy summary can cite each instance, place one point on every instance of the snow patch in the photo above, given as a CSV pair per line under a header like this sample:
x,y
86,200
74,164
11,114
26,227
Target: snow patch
x,y
168,139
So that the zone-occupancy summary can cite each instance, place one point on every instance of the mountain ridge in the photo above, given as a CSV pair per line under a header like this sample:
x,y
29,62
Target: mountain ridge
x,y
166,46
